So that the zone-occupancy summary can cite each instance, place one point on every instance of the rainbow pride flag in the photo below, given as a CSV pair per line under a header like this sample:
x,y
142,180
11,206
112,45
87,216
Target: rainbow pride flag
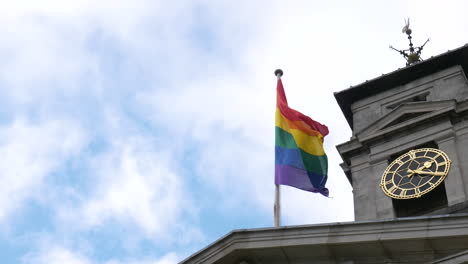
x,y
300,159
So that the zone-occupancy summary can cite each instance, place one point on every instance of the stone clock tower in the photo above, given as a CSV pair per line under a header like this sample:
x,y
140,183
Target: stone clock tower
x,y
424,105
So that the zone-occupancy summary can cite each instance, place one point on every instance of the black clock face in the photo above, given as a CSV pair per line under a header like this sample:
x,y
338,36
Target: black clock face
x,y
415,173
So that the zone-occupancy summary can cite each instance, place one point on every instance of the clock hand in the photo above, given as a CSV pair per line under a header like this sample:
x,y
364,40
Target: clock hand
x,y
426,172
426,165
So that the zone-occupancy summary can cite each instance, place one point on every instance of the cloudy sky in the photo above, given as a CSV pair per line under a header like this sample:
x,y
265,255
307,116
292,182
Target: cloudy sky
x,y
141,131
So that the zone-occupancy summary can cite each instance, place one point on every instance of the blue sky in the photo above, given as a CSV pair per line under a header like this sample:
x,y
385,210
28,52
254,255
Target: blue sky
x,y
141,131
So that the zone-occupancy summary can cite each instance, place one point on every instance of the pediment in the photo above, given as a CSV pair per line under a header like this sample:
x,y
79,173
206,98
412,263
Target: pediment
x,y
404,115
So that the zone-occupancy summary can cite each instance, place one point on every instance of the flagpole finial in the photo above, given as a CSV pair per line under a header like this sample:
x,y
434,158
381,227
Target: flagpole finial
x,y
279,73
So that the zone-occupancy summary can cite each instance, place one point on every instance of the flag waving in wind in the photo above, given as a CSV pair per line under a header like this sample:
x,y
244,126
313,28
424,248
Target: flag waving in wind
x,y
300,159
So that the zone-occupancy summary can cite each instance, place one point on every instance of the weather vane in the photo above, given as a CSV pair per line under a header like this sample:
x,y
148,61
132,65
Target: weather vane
x,y
412,54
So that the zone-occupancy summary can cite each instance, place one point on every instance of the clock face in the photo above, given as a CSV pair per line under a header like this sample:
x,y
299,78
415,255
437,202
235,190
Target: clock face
x,y
415,173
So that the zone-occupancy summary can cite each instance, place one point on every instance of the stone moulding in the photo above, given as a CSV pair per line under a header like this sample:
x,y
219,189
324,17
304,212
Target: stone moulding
x,y
387,234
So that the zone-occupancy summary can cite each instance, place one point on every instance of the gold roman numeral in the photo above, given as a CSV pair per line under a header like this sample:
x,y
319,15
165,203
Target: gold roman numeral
x,y
392,189
442,163
418,192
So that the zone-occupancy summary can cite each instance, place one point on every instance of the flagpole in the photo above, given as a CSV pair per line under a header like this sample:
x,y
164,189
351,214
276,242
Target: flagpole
x,y
277,206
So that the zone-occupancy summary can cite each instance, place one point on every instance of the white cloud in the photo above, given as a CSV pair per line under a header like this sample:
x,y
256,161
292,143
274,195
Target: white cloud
x,y
170,258
57,254
135,186
54,254
49,52
49,47
30,152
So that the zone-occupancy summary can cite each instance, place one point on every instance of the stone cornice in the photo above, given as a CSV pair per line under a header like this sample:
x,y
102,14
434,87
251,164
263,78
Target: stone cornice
x,y
335,234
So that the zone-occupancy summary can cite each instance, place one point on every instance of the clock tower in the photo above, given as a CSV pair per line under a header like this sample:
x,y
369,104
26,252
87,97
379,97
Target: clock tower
x,y
408,153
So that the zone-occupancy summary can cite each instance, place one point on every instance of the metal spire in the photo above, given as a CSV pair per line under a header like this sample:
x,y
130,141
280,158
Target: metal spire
x,y
412,55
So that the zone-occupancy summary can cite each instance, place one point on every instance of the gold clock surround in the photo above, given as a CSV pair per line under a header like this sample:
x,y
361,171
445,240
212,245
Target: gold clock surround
x,y
415,173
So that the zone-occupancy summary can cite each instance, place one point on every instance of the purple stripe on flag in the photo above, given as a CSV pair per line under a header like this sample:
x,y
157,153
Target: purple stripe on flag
x,y
294,177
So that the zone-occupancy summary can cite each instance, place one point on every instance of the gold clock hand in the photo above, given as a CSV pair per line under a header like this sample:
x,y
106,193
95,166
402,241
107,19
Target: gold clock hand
x,y
427,172
426,165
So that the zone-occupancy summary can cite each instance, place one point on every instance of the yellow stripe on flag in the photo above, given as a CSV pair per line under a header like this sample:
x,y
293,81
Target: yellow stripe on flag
x,y
312,144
